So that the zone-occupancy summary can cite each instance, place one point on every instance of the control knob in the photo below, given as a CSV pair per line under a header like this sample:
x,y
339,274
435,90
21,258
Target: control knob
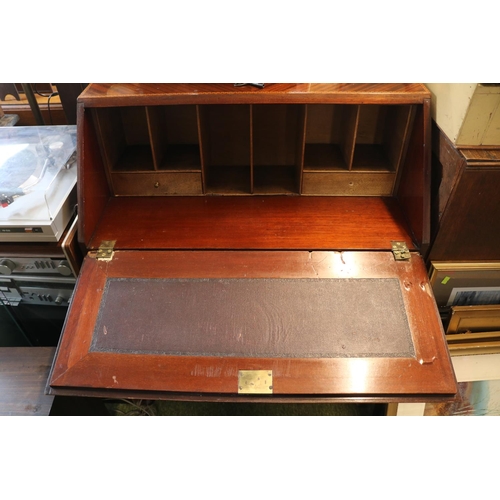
x,y
64,268
7,266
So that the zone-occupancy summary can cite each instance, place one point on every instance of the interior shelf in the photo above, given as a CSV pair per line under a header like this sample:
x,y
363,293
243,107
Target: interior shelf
x,y
275,180
246,149
181,157
324,157
228,180
135,158
226,152
371,158
124,138
174,137
276,134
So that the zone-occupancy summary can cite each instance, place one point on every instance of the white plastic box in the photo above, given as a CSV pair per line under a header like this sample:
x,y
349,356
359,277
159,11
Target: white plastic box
x,y
37,182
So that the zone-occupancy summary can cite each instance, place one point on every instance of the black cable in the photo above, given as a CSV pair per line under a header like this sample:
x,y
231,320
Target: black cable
x,y
50,96
48,105
35,89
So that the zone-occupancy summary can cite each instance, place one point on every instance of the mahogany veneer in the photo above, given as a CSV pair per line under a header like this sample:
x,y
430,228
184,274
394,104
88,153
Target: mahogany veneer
x,y
467,205
305,184
424,375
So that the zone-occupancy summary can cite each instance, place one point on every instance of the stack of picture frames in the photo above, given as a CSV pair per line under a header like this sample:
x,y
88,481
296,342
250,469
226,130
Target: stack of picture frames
x,y
468,298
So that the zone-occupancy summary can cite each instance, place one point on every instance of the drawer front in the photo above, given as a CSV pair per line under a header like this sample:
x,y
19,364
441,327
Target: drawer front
x,y
157,183
349,183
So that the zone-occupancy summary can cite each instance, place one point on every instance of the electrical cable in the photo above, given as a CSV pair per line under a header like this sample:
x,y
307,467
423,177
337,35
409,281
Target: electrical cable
x,y
49,96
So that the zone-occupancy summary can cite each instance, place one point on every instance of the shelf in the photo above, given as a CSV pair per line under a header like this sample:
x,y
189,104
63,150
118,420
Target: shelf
x,y
330,135
323,157
174,138
252,149
371,158
182,157
275,180
382,137
124,138
228,180
134,159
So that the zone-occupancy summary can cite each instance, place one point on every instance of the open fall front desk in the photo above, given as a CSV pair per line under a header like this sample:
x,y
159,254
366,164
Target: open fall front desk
x,y
240,246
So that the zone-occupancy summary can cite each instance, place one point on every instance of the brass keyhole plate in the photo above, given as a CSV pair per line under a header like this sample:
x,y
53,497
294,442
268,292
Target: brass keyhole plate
x,y
255,382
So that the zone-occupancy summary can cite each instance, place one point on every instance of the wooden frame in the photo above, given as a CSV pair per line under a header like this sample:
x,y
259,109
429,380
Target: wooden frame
x,y
470,319
454,283
462,344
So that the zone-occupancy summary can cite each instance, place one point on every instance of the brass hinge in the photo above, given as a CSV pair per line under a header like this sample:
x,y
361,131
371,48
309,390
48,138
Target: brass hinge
x,y
106,250
400,250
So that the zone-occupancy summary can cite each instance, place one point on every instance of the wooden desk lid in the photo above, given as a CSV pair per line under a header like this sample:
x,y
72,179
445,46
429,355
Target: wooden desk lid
x,y
184,324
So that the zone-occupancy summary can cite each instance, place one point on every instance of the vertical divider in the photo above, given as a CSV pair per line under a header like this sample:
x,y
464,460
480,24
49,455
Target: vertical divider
x,y
110,135
155,130
203,149
350,130
301,145
407,127
398,129
204,141
251,151
104,141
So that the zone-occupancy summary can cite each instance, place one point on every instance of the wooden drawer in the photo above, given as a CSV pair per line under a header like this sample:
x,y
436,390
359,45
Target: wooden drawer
x,y
348,183
157,183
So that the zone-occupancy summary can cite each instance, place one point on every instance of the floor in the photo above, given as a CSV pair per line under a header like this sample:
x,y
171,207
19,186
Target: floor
x,y
68,406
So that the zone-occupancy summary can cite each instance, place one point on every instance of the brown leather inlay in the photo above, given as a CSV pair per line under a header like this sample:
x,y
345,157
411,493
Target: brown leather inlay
x,y
254,318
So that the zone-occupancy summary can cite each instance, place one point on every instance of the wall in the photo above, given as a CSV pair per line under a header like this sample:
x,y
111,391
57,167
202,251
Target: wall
x,y
468,113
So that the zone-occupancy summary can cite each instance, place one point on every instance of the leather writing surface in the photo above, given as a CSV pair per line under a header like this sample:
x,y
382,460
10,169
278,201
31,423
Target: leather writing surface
x,y
254,317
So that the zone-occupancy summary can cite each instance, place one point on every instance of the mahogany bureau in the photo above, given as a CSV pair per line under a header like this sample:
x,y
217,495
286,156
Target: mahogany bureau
x,y
249,244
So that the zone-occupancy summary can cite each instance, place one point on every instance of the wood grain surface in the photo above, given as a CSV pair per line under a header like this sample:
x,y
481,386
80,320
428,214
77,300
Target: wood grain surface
x,y
23,377
101,94
305,223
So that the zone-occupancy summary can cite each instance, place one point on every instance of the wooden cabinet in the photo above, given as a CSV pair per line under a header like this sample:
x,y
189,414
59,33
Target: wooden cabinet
x,y
252,234
466,202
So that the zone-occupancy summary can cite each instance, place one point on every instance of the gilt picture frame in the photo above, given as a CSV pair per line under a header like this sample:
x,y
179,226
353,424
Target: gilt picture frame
x,y
465,283
473,319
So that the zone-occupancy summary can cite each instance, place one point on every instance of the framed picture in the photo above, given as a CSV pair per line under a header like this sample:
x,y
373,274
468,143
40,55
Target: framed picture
x,y
478,377
462,344
470,319
465,283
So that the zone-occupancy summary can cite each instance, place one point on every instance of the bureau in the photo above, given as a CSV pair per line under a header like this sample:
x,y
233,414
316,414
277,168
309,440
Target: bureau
x,y
254,244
